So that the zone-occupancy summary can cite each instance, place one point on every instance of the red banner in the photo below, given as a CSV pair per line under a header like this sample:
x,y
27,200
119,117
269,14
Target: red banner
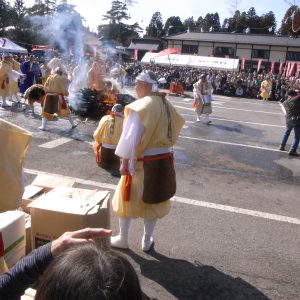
x,y
292,66
272,67
135,55
259,64
281,67
298,69
243,63
287,69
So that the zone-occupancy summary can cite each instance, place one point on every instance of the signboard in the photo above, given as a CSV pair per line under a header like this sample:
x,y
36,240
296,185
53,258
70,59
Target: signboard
x,y
206,62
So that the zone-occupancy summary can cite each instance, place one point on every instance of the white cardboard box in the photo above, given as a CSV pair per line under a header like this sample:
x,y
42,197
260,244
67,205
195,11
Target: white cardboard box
x,y
12,228
68,209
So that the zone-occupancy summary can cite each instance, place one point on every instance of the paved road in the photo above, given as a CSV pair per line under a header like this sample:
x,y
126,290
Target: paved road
x,y
234,228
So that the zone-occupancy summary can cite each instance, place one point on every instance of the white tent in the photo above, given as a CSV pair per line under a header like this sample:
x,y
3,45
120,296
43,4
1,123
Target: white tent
x,y
207,62
6,45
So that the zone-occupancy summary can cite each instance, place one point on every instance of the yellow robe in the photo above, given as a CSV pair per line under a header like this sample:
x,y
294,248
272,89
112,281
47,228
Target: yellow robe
x,y
103,133
57,84
96,76
265,89
14,144
4,81
13,85
153,115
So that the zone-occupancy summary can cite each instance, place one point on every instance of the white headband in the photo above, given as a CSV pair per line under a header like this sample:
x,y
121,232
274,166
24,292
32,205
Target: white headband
x,y
144,76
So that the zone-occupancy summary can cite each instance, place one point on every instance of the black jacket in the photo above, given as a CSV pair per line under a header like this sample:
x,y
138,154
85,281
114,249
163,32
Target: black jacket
x,y
14,283
292,108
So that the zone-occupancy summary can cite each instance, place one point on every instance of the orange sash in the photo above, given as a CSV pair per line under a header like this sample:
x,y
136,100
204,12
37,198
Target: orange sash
x,y
98,154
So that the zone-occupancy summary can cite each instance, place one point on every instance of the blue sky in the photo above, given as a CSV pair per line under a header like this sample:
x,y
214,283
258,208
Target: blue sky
x,y
142,10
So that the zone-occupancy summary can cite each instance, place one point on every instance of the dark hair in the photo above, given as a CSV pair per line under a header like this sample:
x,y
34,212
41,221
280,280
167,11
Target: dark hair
x,y
85,272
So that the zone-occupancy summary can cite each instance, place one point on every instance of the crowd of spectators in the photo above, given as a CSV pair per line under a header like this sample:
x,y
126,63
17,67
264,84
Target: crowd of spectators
x,y
245,84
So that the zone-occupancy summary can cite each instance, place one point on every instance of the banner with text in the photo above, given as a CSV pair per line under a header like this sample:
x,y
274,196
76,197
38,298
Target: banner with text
x,y
206,62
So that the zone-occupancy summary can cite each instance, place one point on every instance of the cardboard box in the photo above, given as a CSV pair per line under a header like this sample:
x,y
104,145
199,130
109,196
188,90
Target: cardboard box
x,y
28,234
31,193
49,182
68,209
12,228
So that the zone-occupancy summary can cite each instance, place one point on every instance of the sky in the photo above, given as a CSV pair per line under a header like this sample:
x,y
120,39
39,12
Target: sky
x,y
143,10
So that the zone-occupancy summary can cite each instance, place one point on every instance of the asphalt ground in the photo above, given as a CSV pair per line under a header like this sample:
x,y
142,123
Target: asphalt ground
x,y
233,230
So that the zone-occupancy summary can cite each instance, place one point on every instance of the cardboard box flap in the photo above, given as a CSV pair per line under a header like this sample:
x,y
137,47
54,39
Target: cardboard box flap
x,y
51,182
31,191
67,201
74,193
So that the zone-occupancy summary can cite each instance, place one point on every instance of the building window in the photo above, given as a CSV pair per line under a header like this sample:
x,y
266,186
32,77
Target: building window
x,y
224,52
260,53
293,56
189,49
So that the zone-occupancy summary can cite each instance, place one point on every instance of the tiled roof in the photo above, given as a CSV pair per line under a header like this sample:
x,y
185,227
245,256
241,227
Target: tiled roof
x,y
236,38
144,45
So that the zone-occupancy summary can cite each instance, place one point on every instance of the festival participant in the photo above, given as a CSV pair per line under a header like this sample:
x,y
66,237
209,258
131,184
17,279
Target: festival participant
x,y
32,71
13,82
176,87
96,75
152,126
13,147
79,76
292,115
33,94
5,69
202,99
55,63
45,71
73,267
56,88
265,88
106,138
109,92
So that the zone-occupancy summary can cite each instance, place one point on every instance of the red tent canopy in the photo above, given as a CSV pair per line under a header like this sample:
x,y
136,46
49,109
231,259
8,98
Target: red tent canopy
x,y
169,51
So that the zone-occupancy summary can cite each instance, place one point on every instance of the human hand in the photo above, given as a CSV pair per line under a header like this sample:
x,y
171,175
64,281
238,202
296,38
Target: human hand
x,y
76,237
124,167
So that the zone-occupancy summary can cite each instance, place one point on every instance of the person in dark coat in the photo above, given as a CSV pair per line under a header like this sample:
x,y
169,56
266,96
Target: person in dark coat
x,y
32,71
292,115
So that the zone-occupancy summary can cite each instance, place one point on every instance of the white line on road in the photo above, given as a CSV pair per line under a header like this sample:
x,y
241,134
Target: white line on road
x,y
228,143
188,201
239,109
238,210
235,121
56,143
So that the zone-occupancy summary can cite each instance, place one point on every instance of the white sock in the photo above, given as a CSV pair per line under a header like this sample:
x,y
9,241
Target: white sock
x,y
18,98
71,120
44,123
149,226
121,240
124,224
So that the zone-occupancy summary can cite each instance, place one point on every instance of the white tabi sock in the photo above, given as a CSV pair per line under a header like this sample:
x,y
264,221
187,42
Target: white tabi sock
x,y
4,103
44,123
121,240
71,120
147,240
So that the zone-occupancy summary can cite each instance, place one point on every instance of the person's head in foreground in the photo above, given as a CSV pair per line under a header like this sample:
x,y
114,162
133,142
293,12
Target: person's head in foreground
x,y
85,272
145,83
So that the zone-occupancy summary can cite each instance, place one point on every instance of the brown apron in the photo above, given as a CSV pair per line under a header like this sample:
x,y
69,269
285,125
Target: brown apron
x,y
159,178
108,159
51,104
